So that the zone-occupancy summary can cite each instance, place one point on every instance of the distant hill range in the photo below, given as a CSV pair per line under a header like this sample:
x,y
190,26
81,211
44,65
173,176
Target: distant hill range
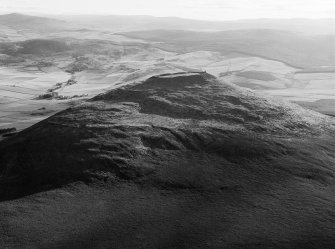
x,y
137,22
297,50
301,43
127,23
42,24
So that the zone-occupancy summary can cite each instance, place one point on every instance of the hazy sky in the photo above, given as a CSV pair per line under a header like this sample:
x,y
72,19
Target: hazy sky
x,y
196,9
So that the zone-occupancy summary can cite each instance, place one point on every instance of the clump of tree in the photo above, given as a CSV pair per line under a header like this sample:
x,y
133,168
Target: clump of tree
x,y
62,97
55,95
71,81
82,63
49,95
7,130
56,87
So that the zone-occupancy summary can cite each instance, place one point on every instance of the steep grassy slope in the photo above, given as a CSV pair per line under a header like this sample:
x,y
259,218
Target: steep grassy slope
x,y
183,161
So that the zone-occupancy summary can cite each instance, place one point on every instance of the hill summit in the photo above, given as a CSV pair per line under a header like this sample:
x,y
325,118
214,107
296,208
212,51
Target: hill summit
x,y
242,154
126,132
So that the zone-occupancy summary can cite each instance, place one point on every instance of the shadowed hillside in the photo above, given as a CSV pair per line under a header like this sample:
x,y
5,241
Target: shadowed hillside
x,y
36,46
183,161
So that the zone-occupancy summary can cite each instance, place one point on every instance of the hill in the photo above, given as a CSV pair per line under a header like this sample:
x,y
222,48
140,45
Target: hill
x,y
297,50
35,46
142,22
124,23
26,22
177,161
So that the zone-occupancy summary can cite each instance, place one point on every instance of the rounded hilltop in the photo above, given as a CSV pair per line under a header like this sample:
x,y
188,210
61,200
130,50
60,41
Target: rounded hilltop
x,y
182,113
205,163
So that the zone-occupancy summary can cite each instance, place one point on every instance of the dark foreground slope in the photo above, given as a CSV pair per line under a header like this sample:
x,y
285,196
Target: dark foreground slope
x,y
177,161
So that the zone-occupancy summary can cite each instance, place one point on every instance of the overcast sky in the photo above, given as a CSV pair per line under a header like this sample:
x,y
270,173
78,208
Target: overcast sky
x,y
196,9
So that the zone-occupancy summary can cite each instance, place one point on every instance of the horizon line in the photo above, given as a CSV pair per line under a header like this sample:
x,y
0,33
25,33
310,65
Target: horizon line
x,y
45,14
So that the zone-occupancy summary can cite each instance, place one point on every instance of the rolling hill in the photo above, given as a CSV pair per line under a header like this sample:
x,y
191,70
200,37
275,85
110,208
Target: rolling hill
x,y
297,50
124,23
177,161
35,46
118,23
26,22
